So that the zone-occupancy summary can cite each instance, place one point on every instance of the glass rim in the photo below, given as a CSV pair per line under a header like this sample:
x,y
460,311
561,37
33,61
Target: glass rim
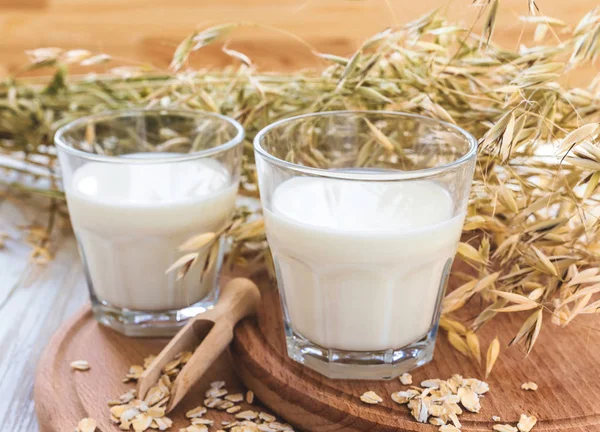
x,y
132,112
367,176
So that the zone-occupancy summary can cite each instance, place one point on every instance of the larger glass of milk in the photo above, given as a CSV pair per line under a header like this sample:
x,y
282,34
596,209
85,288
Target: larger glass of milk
x,y
363,212
138,184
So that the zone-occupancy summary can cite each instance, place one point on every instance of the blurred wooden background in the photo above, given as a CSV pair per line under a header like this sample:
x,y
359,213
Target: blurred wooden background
x,y
148,30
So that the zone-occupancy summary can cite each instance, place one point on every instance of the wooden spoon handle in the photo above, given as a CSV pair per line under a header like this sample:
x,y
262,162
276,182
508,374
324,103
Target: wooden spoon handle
x,y
184,340
238,299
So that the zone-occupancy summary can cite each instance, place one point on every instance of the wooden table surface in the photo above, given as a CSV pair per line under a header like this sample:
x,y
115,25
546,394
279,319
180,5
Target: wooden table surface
x,y
147,30
34,300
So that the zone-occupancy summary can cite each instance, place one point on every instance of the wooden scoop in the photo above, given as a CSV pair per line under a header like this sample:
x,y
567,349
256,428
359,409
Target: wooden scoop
x,y
211,332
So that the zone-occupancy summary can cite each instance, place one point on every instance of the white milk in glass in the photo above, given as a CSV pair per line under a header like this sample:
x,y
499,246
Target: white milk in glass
x,y
131,218
361,263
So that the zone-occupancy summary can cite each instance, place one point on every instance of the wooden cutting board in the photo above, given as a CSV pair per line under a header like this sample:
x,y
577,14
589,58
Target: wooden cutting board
x,y
64,396
565,364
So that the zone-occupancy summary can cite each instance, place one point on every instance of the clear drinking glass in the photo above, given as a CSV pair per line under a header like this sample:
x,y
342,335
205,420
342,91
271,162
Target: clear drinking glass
x,y
363,212
138,184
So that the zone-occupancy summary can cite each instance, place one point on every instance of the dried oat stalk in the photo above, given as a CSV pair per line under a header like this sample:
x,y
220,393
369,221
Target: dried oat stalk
x,y
531,232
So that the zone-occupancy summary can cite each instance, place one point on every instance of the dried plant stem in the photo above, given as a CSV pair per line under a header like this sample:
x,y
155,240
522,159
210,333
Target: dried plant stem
x,y
532,237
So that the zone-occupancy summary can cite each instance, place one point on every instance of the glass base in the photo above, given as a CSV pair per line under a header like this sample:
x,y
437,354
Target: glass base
x,y
148,323
372,365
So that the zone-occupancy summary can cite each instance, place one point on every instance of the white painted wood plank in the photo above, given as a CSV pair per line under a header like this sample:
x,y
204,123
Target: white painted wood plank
x,y
14,256
34,301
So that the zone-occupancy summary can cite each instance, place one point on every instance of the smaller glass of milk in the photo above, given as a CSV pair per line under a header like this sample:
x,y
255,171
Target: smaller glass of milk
x,y
138,184
363,212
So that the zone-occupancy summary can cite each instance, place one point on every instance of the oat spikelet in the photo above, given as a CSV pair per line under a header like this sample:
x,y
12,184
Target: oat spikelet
x,y
452,325
469,252
492,356
458,343
197,242
474,347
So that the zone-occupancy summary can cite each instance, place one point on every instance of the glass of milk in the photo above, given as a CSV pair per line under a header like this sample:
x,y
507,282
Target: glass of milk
x,y
363,212
139,183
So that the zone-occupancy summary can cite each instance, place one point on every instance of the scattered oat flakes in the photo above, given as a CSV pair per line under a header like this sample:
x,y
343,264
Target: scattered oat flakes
x,y
247,415
431,383
505,428
128,412
215,392
526,423
437,410
196,412
86,425
163,423
134,373
217,384
236,397
141,422
202,421
419,408
185,356
268,418
406,378
469,399
80,365
195,428
403,397
223,405
496,418
479,387
454,419
437,401
128,396
436,421
371,397
156,411
212,402
529,386
148,361
448,428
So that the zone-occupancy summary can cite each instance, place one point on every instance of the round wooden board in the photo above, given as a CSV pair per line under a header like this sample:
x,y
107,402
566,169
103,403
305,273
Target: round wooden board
x,y
63,396
565,363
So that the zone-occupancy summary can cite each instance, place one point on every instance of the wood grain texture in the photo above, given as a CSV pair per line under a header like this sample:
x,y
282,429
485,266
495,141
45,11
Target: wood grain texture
x,y
564,364
148,30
